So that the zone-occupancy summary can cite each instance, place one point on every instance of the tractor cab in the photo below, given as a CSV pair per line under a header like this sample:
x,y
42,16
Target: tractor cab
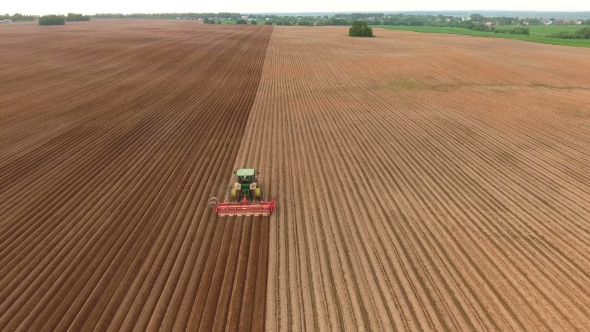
x,y
246,186
246,175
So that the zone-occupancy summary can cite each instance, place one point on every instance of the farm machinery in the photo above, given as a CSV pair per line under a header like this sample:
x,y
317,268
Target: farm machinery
x,y
246,197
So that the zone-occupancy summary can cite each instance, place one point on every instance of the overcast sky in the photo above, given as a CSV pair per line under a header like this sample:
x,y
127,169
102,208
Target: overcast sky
x,y
279,6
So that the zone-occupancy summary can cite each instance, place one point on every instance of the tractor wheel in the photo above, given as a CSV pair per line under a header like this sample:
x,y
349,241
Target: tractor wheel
x,y
233,193
213,202
257,192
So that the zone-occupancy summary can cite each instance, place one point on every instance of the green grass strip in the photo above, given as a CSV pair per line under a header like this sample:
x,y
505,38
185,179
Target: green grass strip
x,y
537,34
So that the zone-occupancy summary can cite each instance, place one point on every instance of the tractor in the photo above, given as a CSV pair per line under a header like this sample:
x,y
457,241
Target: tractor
x,y
246,197
246,186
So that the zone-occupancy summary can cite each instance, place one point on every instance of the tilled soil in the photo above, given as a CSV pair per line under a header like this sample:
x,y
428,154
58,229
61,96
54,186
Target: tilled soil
x,y
424,182
113,136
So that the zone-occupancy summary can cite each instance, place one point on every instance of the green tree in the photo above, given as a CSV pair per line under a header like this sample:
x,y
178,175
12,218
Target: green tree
x,y
583,33
476,17
241,21
360,29
52,20
77,17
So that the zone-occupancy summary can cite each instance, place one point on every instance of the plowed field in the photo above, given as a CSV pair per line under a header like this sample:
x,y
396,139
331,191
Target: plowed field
x,y
113,136
424,182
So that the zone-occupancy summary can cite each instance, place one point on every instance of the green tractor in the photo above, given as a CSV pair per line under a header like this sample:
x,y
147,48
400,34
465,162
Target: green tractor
x,y
246,197
246,187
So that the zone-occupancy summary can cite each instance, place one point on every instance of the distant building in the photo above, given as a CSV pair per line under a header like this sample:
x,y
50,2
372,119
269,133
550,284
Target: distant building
x,y
6,20
548,22
578,22
489,24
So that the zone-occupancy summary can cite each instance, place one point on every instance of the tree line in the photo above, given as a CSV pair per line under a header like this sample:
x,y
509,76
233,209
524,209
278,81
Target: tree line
x,y
513,31
52,20
77,17
473,21
583,33
61,19
173,16
18,17
207,20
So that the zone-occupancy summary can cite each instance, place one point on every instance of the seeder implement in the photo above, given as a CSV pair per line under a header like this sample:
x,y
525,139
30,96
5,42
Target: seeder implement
x,y
243,208
246,197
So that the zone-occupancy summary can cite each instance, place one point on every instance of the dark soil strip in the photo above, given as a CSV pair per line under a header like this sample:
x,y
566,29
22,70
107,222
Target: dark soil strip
x,y
113,136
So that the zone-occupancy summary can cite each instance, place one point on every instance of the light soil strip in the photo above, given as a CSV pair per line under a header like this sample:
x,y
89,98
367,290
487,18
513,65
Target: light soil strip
x,y
424,182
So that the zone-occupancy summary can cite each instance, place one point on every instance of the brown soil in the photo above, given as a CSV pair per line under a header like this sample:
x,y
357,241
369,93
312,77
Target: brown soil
x,y
113,136
424,182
